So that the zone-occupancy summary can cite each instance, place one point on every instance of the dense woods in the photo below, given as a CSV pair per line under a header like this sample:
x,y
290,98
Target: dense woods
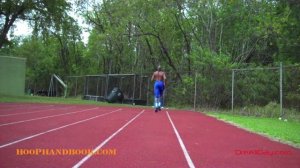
x,y
184,36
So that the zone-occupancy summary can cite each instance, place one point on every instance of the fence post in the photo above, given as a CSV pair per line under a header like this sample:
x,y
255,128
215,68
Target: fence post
x,y
232,90
141,79
195,92
87,85
84,86
280,90
97,89
76,86
50,87
148,91
106,86
133,94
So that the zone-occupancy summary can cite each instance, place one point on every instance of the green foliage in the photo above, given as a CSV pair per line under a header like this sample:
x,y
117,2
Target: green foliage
x,y
271,110
256,87
208,37
182,94
44,16
292,100
43,60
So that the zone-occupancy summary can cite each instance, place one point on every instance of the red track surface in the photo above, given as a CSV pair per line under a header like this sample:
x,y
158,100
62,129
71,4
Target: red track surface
x,y
141,138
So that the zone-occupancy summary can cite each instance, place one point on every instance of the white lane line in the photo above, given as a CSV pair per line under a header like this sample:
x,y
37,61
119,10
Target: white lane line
x,y
55,129
39,111
25,107
39,118
185,152
6,115
106,141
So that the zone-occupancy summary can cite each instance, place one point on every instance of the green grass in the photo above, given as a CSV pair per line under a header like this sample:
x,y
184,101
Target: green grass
x,y
41,99
284,131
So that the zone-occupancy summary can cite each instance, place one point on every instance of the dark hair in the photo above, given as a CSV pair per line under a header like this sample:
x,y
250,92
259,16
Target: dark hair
x,y
159,68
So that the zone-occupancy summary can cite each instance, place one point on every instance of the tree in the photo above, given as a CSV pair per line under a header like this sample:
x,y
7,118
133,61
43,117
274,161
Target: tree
x,y
43,15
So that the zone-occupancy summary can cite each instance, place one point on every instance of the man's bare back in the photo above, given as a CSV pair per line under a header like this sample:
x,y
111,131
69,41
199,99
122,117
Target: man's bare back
x,y
159,75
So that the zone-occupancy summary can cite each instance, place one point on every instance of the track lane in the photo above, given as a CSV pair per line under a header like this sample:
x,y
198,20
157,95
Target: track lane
x,y
103,143
148,142
213,143
80,136
32,115
56,129
209,142
18,131
39,112
22,107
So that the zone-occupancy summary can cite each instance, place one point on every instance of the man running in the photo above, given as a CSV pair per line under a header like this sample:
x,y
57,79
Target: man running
x,y
160,80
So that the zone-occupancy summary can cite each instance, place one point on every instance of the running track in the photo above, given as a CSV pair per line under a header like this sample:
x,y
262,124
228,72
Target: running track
x,y
140,137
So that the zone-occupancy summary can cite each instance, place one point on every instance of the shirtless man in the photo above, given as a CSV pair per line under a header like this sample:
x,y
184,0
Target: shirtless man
x,y
160,78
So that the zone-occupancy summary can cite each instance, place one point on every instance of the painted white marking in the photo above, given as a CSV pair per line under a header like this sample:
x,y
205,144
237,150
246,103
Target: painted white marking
x,y
15,107
7,115
106,141
39,118
185,152
55,129
39,111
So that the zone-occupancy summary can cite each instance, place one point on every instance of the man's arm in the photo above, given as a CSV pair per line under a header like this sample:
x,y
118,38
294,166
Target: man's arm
x,y
152,78
165,78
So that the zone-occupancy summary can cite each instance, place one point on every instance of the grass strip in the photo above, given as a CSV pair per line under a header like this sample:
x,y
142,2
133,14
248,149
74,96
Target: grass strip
x,y
280,130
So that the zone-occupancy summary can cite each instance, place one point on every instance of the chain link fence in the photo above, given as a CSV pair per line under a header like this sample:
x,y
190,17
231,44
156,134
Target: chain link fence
x,y
262,92
265,91
135,88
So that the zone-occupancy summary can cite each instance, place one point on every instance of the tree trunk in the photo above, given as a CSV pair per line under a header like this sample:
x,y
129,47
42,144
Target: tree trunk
x,y
8,23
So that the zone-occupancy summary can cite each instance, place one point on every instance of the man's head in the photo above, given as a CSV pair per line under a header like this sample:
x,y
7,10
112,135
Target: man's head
x,y
159,68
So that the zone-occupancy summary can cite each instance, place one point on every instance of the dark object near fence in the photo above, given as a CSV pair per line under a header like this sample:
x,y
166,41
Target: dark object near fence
x,y
135,102
42,93
94,98
115,95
